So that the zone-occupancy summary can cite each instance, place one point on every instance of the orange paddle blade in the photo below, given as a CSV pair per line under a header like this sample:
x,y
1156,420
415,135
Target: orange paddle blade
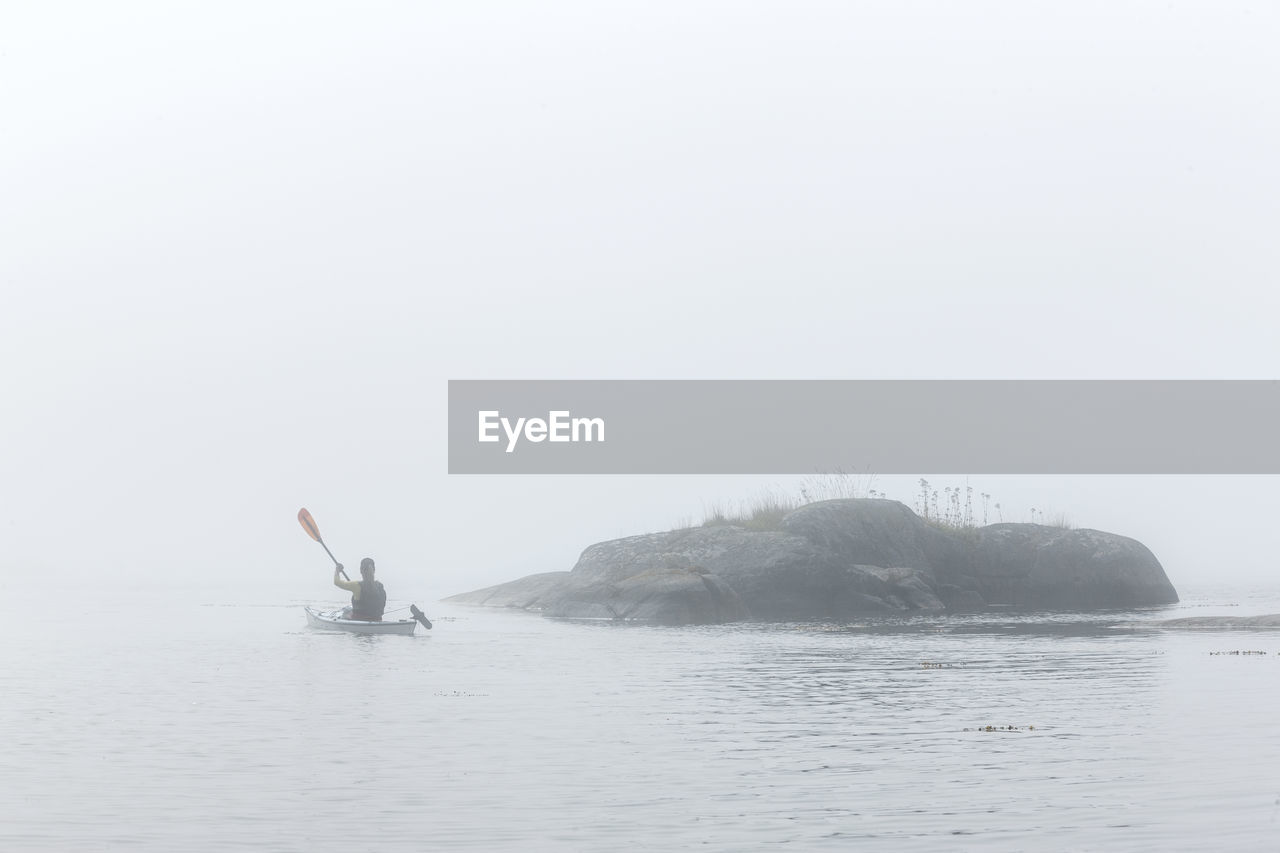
x,y
309,524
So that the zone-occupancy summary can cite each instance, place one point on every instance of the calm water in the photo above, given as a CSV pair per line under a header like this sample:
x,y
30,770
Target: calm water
x,y
226,724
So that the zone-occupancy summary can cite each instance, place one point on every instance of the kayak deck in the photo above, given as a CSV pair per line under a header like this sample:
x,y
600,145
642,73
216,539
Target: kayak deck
x,y
332,620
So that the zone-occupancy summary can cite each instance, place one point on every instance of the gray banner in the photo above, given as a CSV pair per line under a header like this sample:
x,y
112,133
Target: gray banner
x,y
876,426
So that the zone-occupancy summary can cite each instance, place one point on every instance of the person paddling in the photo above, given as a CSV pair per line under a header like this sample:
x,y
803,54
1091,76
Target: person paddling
x,y
368,598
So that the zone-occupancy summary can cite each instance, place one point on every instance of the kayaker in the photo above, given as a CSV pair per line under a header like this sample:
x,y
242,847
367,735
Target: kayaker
x,y
368,598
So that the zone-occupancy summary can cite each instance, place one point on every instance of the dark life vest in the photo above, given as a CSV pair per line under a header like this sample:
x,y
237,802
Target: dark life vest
x,y
372,601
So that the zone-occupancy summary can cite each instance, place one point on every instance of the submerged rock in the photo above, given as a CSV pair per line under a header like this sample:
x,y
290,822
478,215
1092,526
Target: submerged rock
x,y
835,559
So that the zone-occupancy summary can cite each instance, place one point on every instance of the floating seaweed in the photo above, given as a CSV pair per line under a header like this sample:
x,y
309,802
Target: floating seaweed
x,y
1002,729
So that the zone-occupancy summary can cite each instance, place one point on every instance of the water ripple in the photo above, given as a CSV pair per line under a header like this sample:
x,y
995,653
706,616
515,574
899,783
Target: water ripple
x,y
993,732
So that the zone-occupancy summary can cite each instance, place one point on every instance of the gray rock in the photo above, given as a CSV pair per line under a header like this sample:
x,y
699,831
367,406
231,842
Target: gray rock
x,y
1042,567
873,532
835,559
670,596
913,589
525,593
960,600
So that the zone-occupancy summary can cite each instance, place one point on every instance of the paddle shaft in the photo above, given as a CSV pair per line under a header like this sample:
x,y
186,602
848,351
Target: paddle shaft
x,y
331,557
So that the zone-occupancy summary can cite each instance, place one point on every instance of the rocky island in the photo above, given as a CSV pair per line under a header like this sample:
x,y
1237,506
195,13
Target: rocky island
x,y
839,558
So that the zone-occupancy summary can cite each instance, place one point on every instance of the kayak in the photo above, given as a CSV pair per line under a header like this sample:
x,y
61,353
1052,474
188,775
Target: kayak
x,y
332,619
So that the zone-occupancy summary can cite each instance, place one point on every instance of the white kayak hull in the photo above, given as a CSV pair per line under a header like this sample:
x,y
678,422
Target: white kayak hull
x,y
333,621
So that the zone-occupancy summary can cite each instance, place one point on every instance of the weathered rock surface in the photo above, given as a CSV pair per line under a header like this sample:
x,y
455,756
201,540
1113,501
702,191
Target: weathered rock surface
x,y
524,593
838,558
1034,566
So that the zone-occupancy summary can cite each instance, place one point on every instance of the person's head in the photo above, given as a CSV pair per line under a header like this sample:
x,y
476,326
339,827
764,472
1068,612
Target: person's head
x,y
366,568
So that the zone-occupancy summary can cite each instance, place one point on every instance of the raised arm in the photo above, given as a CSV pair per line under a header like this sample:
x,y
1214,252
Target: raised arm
x,y
349,586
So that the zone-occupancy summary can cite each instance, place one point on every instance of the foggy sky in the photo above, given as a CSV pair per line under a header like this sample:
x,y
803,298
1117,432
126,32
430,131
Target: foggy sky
x,y
245,246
